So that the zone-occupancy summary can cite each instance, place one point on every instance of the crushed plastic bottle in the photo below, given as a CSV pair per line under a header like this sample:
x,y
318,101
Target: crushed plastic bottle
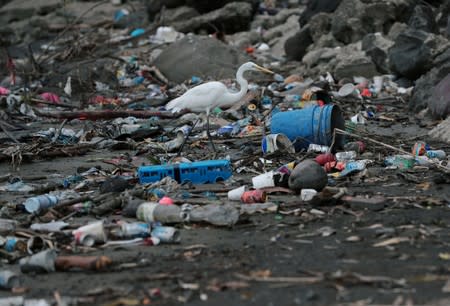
x,y
439,154
318,148
346,155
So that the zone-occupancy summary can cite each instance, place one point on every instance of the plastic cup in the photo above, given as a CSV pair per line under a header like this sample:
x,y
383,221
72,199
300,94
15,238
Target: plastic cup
x,y
378,83
166,234
263,180
236,193
89,234
307,194
276,142
41,262
347,90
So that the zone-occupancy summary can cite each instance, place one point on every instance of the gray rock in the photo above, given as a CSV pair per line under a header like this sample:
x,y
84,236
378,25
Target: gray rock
x,y
423,19
442,131
308,174
412,53
154,6
231,18
270,21
200,56
319,25
22,9
439,105
422,93
295,47
205,6
346,24
318,6
178,13
396,29
376,46
285,31
356,64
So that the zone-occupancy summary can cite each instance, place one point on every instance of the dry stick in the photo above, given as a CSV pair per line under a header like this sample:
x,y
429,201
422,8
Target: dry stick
x,y
58,132
7,133
387,146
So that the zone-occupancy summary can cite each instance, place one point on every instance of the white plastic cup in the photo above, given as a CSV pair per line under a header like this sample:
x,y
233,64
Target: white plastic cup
x,y
348,90
89,234
378,83
307,194
263,180
41,262
166,234
236,193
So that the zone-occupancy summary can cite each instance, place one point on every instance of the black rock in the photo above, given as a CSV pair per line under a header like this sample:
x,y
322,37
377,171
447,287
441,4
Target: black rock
x,y
440,99
412,54
423,19
317,6
422,93
376,46
296,46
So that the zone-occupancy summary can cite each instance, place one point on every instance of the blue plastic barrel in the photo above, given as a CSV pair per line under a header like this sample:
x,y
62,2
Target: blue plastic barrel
x,y
313,124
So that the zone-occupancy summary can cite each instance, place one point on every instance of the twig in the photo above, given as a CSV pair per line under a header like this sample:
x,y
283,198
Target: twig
x,y
8,134
285,279
58,132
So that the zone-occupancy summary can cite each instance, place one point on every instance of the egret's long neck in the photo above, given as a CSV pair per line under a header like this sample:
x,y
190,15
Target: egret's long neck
x,y
243,84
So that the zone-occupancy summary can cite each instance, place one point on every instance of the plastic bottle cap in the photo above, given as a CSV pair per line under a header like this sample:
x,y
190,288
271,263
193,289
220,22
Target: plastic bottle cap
x,y
32,205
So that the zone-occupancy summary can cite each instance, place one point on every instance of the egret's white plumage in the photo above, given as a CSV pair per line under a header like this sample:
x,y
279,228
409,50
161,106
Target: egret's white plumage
x,y
207,96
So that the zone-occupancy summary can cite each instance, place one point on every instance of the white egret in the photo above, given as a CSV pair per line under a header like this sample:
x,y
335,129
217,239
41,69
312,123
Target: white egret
x,y
205,97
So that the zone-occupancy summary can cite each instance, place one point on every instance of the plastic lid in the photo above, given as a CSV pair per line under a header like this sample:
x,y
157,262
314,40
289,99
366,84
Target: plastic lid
x,y
32,205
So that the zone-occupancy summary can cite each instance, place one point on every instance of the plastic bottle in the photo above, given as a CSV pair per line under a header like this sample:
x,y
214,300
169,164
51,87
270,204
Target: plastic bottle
x,y
166,234
318,148
357,146
39,203
353,166
153,212
222,215
7,226
347,155
439,154
132,230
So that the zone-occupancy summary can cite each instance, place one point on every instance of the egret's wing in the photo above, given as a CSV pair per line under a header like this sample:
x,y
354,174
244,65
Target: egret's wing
x,y
199,98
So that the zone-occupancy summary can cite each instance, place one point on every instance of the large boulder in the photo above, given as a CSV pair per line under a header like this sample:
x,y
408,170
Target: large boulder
x,y
440,97
179,13
318,6
277,36
295,47
442,131
199,56
205,6
423,19
356,64
346,24
423,89
231,18
319,25
412,53
376,46
22,9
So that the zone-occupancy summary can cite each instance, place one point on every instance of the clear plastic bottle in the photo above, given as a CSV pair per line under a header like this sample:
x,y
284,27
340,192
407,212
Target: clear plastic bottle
x,y
439,154
318,148
36,204
347,155
132,230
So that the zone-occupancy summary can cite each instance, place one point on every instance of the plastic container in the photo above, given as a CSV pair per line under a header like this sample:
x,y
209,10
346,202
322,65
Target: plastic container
x,y
318,148
307,194
439,154
167,234
9,279
154,212
324,158
400,161
41,262
346,155
254,196
132,230
313,125
36,204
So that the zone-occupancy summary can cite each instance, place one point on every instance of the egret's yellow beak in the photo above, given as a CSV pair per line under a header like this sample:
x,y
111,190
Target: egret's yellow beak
x,y
264,69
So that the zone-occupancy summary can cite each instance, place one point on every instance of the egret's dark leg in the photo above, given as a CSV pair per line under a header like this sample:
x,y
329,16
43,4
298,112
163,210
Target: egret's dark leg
x,y
187,136
209,135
